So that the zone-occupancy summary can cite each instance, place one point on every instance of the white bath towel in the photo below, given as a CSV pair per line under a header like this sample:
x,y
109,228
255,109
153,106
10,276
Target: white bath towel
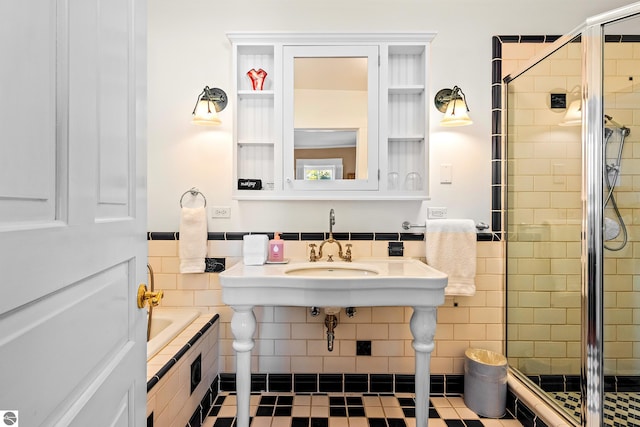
x,y
451,248
193,240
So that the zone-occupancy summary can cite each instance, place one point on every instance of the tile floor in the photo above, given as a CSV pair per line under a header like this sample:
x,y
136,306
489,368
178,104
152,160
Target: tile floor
x,y
348,410
620,409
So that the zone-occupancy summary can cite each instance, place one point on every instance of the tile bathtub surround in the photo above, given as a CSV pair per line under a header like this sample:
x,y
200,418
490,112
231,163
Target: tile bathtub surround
x,y
169,397
290,340
161,363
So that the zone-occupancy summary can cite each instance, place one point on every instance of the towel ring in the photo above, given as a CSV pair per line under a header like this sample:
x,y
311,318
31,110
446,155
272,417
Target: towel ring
x,y
194,192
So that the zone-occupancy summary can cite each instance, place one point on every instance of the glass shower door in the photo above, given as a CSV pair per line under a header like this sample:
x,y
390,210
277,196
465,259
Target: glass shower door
x,y
543,223
621,219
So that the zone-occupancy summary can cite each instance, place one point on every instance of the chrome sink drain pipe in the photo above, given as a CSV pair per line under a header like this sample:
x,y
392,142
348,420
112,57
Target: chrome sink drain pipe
x,y
330,321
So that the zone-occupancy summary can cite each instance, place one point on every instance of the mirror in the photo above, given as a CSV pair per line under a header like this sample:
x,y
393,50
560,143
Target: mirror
x,y
330,117
331,94
312,146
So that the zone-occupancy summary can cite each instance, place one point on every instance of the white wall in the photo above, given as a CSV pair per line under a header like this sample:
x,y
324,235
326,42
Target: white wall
x,y
188,49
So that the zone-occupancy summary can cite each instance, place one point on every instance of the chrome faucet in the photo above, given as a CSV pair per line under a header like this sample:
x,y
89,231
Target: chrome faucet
x,y
332,221
346,256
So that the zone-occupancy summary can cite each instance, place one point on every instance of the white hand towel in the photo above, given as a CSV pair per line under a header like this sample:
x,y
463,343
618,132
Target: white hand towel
x,y
451,248
193,240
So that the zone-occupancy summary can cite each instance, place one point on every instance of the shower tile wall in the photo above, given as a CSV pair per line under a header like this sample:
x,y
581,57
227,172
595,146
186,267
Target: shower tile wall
x,y
544,216
622,268
544,247
289,340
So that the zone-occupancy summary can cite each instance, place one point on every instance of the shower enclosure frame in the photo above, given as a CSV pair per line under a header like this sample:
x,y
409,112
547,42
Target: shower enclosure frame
x,y
592,243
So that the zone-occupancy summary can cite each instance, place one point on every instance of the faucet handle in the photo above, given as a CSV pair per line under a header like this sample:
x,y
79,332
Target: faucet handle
x,y
312,253
347,255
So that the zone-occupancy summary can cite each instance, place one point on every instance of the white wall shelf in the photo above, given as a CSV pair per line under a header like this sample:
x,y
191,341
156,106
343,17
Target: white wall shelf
x,y
255,93
406,90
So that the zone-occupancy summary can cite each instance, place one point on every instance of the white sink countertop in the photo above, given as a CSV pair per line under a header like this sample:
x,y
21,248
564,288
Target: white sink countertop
x,y
365,282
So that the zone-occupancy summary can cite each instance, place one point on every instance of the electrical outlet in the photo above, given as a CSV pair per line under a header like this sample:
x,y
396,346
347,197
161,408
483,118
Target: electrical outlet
x,y
220,212
436,213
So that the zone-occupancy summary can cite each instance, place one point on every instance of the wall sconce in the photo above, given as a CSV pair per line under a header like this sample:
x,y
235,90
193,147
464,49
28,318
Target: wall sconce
x,y
453,103
210,102
573,116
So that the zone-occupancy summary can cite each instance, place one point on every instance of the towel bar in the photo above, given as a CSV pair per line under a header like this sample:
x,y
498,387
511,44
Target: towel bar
x,y
407,225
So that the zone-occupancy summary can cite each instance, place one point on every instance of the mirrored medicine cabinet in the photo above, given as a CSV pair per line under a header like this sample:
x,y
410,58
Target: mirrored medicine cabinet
x,y
339,116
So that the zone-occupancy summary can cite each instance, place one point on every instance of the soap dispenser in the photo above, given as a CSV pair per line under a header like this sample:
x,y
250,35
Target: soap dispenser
x,y
276,249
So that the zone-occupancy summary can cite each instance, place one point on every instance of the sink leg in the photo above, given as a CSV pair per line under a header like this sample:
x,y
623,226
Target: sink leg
x,y
243,326
423,328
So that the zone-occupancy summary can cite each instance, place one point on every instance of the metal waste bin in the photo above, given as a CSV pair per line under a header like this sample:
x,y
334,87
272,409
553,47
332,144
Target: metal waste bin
x,y
485,382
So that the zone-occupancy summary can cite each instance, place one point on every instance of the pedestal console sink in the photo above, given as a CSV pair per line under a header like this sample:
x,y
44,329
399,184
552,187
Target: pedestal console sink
x,y
365,283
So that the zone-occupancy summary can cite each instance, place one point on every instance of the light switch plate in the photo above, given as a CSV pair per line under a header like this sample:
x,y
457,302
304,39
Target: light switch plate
x,y
446,173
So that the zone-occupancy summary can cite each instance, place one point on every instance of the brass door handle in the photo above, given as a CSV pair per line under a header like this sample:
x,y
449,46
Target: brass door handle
x,y
145,296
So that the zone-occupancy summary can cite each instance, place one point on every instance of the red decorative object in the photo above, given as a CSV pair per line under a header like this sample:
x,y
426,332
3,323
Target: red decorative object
x,y
257,78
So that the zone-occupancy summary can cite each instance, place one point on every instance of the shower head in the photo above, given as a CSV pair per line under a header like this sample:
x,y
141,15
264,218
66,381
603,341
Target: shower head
x,y
623,129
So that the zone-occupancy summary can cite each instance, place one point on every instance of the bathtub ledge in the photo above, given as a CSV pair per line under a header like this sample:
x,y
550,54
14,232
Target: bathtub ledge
x,y
536,404
167,357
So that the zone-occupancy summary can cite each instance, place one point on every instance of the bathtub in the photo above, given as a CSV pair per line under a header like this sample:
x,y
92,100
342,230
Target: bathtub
x,y
183,344
166,324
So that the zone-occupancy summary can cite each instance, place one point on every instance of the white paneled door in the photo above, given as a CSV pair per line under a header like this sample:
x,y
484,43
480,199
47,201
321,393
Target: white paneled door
x,y
72,212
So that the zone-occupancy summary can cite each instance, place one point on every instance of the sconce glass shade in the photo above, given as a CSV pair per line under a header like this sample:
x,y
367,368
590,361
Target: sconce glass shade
x,y
205,114
209,103
453,103
573,116
457,114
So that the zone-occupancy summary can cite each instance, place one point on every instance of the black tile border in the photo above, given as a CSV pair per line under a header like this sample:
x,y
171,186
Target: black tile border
x,y
566,384
483,236
440,385
167,366
571,383
207,402
497,112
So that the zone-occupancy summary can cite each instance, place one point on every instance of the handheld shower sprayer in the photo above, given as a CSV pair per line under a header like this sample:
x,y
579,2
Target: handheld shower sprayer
x,y
611,174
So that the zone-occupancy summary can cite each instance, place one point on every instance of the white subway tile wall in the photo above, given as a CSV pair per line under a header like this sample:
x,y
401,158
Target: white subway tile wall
x,y
289,339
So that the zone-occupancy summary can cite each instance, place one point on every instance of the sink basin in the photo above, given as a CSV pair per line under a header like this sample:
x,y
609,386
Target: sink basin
x,y
367,282
331,270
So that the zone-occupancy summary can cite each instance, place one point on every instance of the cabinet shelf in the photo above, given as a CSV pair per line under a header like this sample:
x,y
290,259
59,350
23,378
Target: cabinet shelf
x,y
394,138
406,90
255,93
255,142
